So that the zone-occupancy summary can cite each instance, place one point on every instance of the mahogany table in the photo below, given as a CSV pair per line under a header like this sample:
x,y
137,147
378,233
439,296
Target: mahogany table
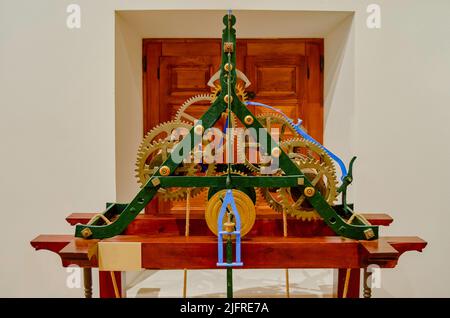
x,y
158,242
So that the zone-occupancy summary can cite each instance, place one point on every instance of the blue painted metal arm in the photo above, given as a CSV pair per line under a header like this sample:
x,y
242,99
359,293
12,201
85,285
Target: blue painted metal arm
x,y
305,135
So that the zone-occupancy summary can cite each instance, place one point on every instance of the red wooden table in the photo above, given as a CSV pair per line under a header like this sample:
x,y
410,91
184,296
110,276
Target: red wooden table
x,y
161,244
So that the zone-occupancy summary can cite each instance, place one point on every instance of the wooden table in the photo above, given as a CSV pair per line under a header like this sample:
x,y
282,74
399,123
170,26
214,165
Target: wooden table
x,y
158,242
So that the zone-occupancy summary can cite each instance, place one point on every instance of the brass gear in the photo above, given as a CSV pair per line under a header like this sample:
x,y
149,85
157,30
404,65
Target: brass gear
x,y
167,135
250,191
267,120
232,171
239,89
149,160
302,149
322,178
168,131
181,112
272,197
295,148
244,205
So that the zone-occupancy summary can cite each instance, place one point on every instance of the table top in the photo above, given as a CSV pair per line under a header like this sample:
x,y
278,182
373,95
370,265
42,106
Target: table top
x,y
159,243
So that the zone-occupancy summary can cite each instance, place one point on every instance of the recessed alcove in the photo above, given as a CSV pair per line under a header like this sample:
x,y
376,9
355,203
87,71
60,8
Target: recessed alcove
x,y
335,27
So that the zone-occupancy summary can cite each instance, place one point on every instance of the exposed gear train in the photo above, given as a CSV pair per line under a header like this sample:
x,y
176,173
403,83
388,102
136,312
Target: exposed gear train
x,y
312,160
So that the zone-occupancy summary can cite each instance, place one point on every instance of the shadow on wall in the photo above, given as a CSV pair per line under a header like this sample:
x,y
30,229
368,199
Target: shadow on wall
x,y
338,48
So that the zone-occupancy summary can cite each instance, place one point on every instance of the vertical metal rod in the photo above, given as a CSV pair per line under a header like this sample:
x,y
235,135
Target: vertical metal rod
x,y
87,280
188,211
186,233
288,295
114,282
346,282
184,283
284,223
229,253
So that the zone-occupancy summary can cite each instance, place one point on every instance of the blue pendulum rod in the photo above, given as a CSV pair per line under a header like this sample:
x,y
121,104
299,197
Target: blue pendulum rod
x,y
305,135
229,200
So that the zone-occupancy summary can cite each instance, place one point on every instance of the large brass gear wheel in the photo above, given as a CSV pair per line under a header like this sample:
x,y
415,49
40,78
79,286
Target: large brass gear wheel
x,y
272,197
244,205
163,138
269,121
324,181
149,160
168,131
183,114
302,149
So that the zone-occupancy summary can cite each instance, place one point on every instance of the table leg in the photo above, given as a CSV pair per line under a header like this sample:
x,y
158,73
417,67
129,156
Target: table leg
x,y
367,289
87,280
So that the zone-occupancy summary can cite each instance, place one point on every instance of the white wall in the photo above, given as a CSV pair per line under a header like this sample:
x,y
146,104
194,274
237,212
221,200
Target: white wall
x,y
58,134
339,90
129,118
402,132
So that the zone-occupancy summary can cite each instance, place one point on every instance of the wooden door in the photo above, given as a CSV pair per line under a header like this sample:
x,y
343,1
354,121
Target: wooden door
x,y
284,73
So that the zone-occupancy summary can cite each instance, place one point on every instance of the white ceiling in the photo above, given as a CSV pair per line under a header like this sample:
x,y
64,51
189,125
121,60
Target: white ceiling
x,y
250,24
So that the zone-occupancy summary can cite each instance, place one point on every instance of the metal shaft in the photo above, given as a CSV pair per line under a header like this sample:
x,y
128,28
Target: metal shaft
x,y
229,257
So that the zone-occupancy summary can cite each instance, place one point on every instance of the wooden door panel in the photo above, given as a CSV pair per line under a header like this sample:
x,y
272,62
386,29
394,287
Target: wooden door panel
x,y
183,77
278,81
313,117
273,81
284,73
275,47
277,78
191,48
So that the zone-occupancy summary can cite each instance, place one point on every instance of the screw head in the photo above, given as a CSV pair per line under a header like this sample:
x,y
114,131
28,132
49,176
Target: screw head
x,y
86,232
309,191
228,67
164,171
198,130
228,99
248,120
